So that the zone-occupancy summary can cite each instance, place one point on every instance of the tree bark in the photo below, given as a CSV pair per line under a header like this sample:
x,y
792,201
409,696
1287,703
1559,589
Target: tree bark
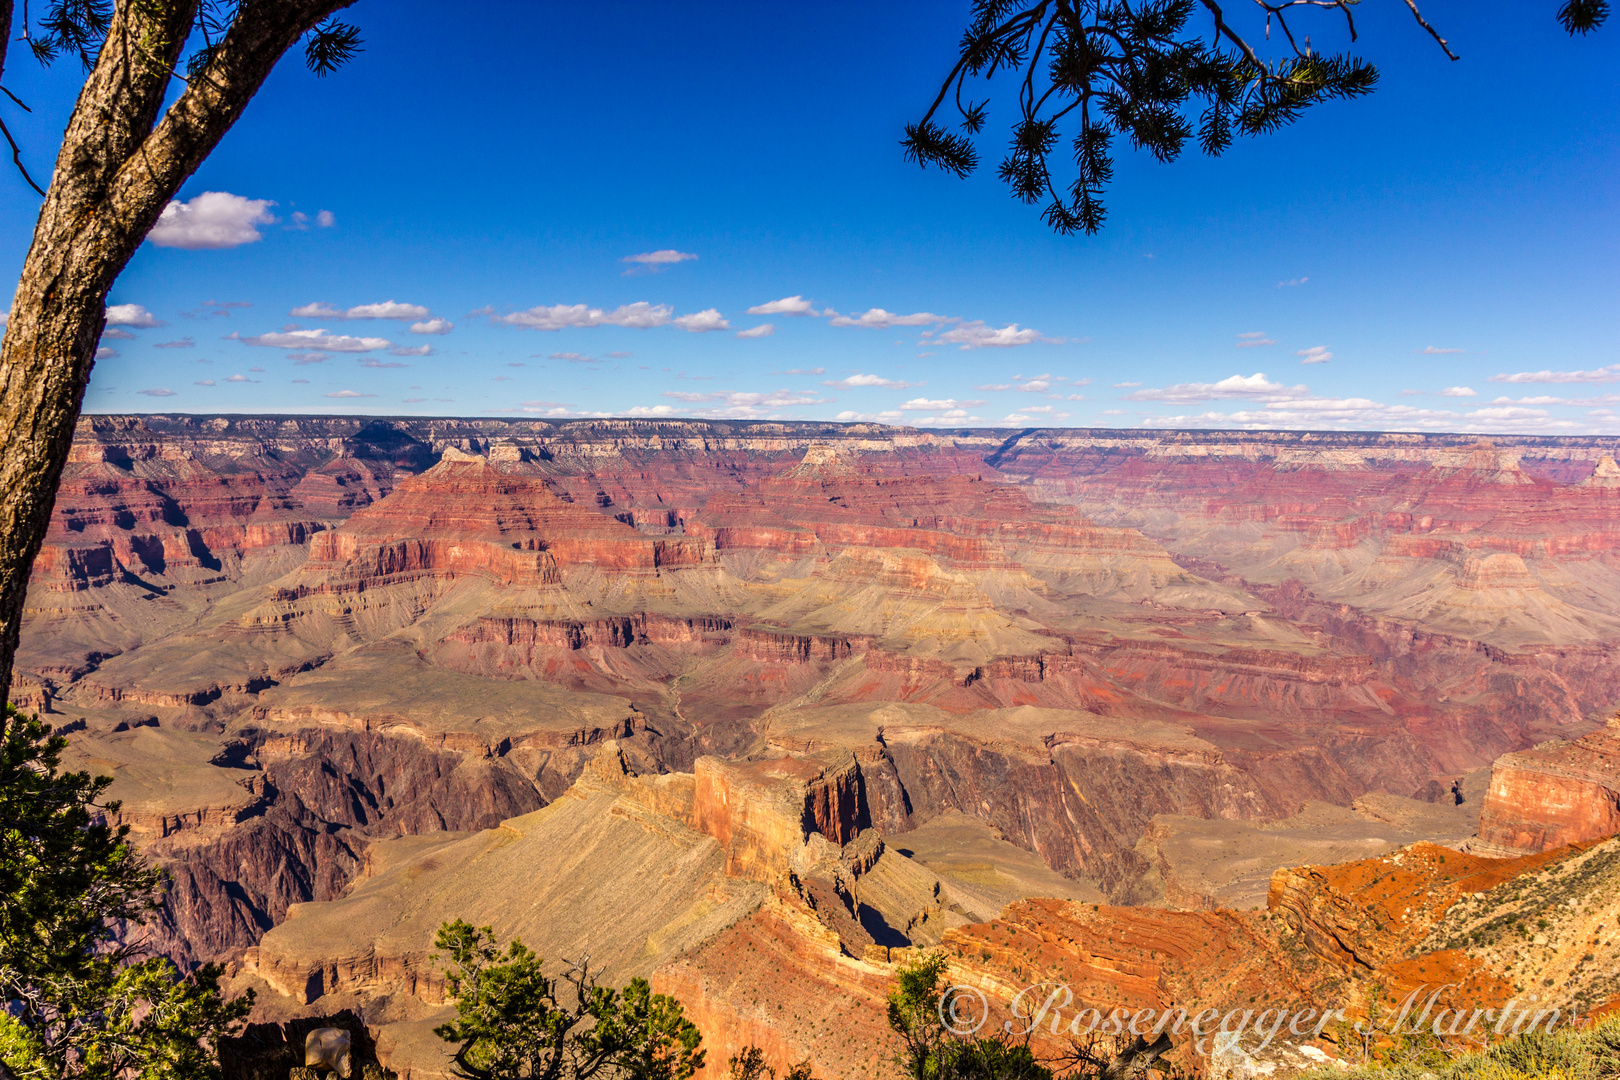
x,y
114,175
6,7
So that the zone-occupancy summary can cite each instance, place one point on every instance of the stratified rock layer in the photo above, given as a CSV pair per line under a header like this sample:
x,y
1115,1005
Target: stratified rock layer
x,y
293,640
1554,794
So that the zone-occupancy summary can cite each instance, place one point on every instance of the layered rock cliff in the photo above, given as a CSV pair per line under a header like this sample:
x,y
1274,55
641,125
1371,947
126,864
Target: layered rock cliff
x,y
1554,794
1057,635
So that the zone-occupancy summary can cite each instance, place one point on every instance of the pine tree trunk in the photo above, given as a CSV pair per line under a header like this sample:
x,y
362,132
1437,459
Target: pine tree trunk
x,y
114,175
5,31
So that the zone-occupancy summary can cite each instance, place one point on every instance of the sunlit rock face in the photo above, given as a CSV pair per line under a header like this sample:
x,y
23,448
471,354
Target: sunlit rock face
x,y
1135,667
1554,794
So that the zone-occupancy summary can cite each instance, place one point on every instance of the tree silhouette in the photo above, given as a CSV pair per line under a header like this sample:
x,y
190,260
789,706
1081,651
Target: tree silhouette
x,y
1156,73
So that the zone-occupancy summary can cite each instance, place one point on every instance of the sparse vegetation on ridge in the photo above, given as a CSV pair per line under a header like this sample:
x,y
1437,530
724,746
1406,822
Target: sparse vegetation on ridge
x,y
1590,1053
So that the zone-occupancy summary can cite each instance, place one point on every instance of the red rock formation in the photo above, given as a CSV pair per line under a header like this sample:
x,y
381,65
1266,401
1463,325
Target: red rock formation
x,y
321,798
465,517
763,812
704,571
1554,794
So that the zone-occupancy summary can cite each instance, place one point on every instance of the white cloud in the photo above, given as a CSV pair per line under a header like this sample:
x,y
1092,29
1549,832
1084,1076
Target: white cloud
x,y
204,382
1547,399
732,405
132,315
996,386
181,343
888,416
105,353
1458,391
316,339
560,409
870,380
788,305
1598,375
411,350
213,220
301,220
1362,414
802,371
976,335
1126,385
1320,412
1432,351
1510,412
663,257
1038,385
928,405
388,309
949,418
1316,354
5,317
1292,282
762,330
1253,339
161,391
641,315
878,319
433,326
348,394
299,359
1235,386
702,322
239,378
573,358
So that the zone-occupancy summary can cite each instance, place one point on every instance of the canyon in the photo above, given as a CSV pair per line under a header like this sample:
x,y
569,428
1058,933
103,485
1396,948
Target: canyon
x,y
843,692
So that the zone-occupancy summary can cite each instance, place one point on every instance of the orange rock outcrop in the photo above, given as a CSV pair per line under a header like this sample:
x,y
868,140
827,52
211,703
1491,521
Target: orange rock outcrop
x,y
1554,794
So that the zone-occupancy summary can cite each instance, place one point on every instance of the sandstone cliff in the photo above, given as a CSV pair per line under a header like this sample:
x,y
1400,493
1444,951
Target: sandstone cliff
x,y
289,639
1554,794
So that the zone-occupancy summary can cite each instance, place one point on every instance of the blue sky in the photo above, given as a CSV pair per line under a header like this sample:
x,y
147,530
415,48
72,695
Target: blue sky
x,y
1439,256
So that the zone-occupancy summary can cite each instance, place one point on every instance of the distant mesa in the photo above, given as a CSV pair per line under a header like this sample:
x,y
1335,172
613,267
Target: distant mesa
x,y
1605,475
1492,464
455,453
822,461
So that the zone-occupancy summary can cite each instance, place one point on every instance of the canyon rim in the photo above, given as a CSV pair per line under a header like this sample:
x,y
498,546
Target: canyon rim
x,y
845,694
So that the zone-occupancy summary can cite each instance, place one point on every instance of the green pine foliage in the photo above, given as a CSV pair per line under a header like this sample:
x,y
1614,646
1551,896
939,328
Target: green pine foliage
x,y
750,1065
77,27
930,1052
514,1022
84,1004
1155,73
